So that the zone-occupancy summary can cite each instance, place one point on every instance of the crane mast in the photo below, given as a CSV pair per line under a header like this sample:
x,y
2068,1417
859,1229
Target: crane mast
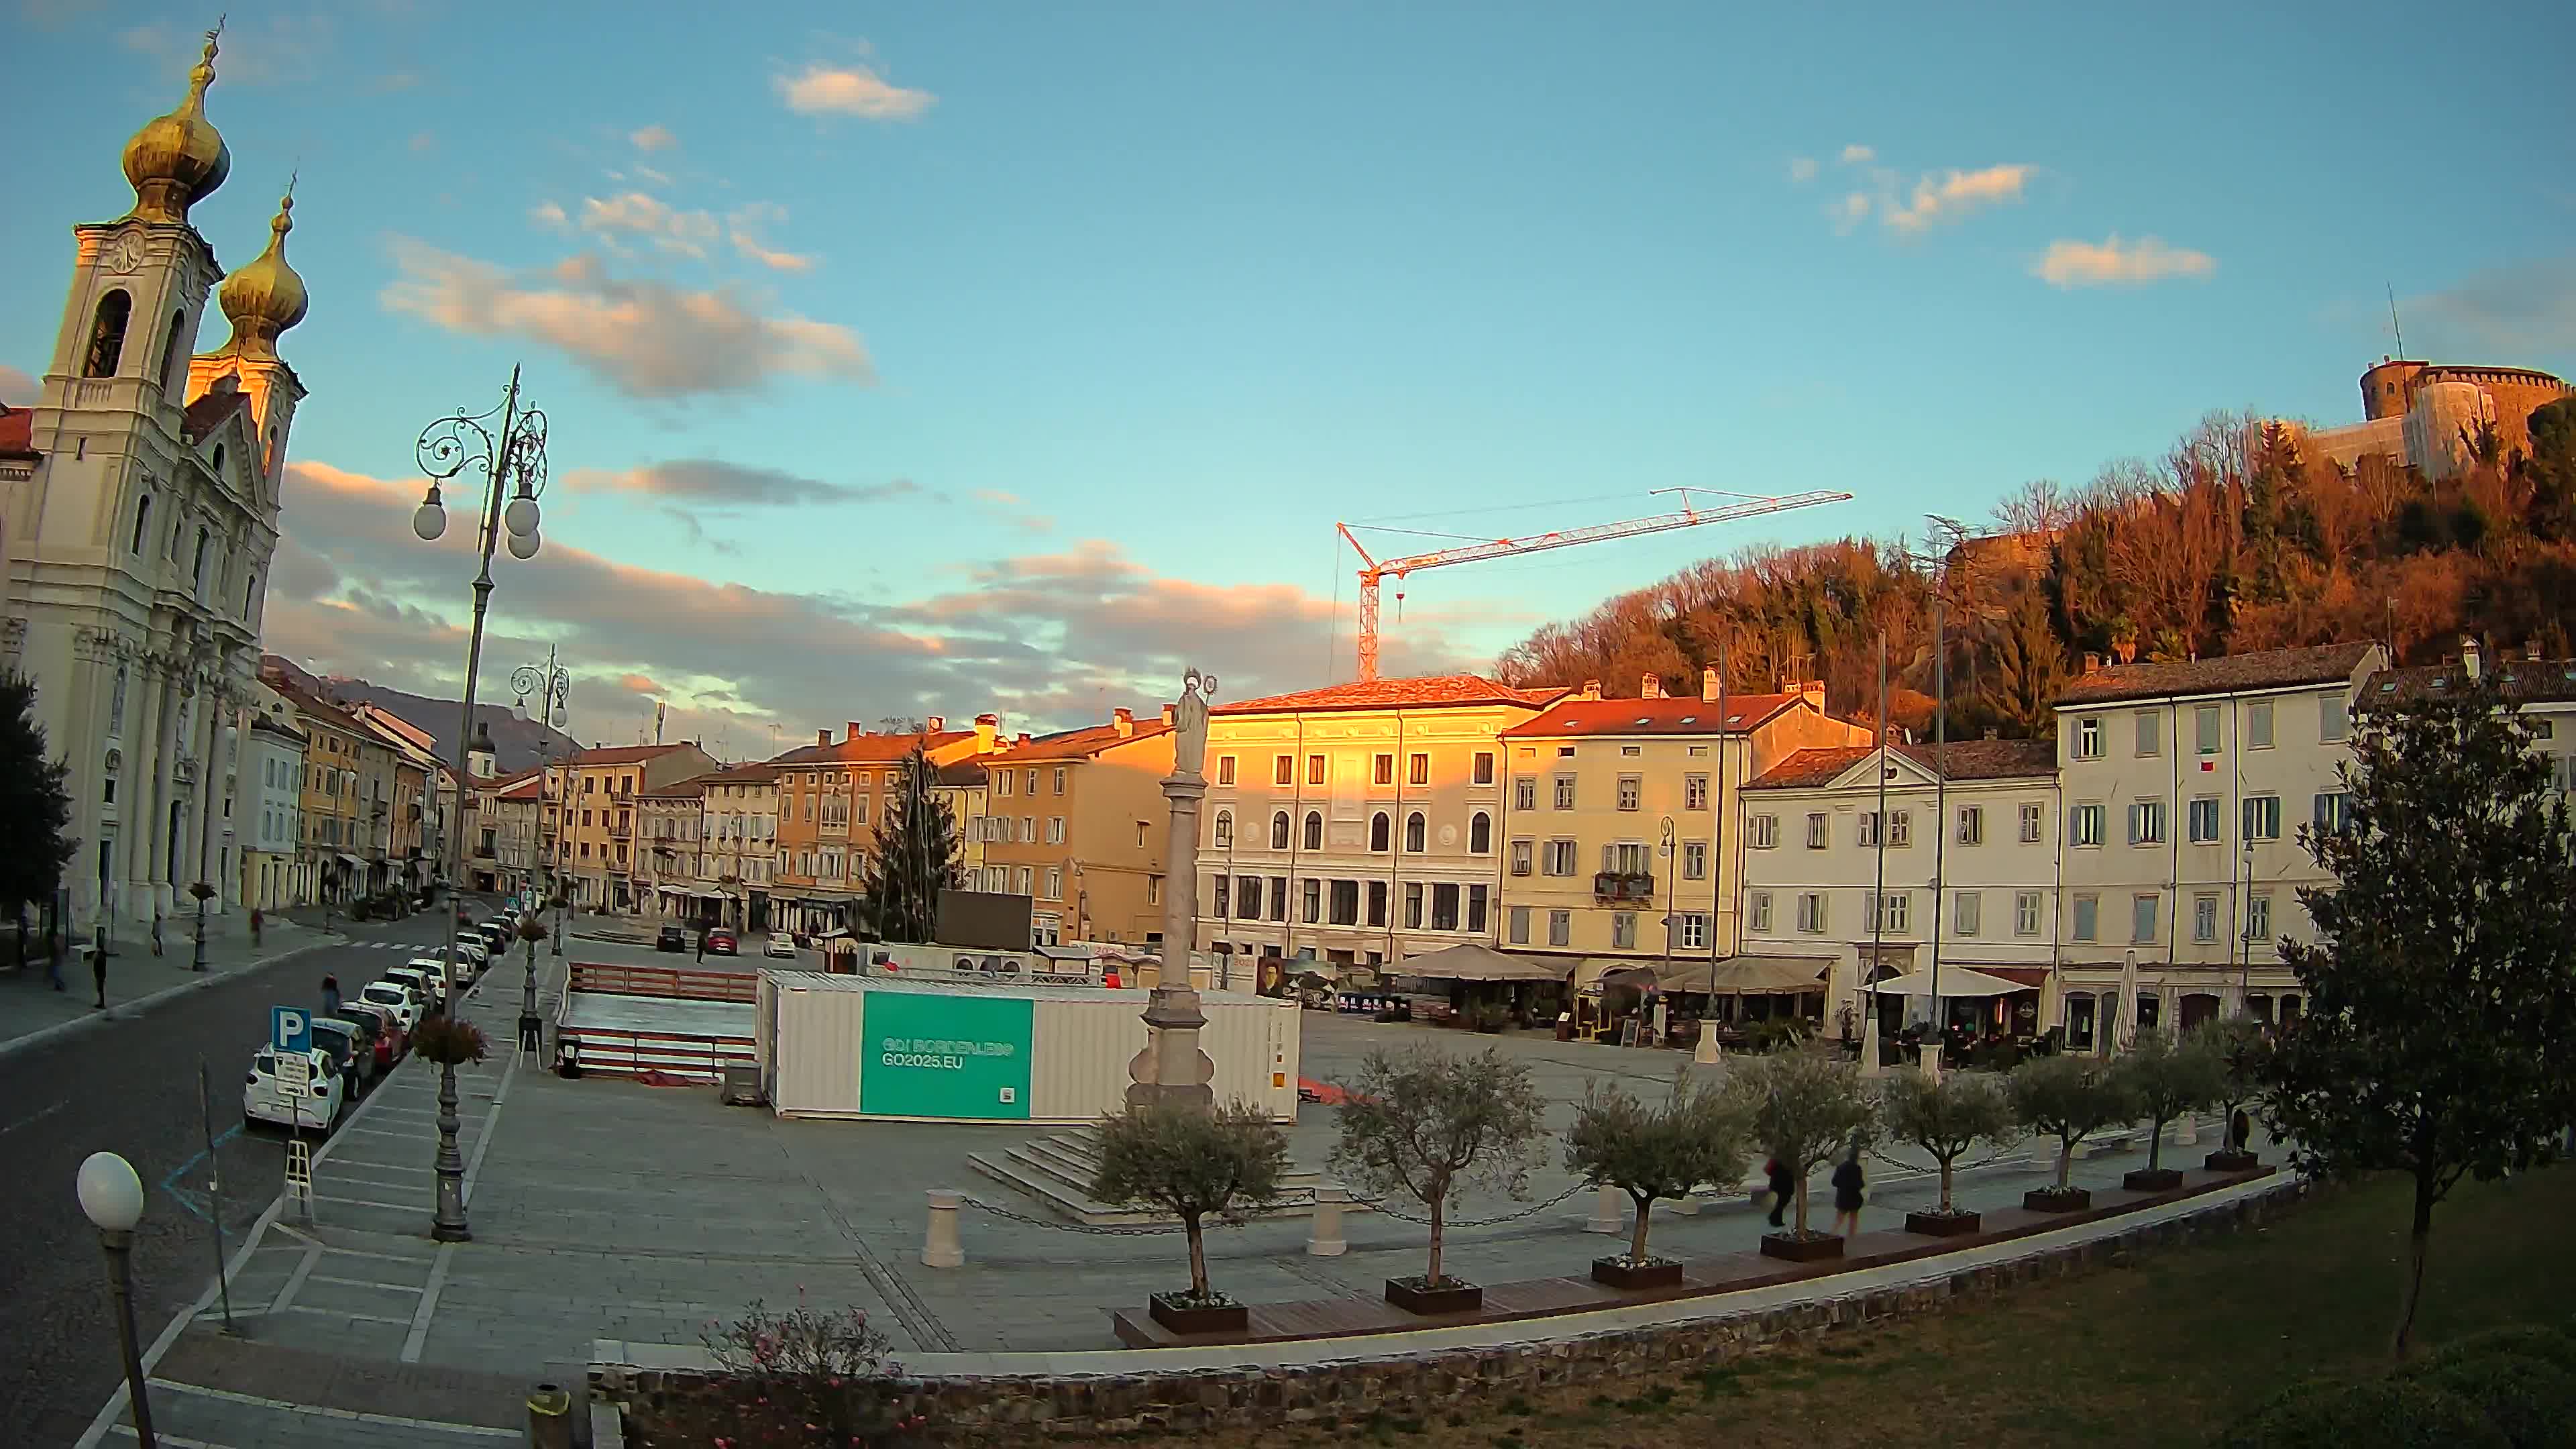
x,y
1375,571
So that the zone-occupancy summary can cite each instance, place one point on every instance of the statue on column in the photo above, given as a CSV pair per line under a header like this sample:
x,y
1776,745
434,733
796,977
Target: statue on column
x,y
1190,723
1171,1070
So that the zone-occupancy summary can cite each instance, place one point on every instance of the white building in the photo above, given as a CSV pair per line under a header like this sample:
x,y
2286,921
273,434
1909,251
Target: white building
x,y
268,820
141,513
1969,856
2185,783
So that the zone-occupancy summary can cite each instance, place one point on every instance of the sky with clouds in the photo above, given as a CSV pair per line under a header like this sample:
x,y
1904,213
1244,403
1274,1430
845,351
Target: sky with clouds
x,y
934,359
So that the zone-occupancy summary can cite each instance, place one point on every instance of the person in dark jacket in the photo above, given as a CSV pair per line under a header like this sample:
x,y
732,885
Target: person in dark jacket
x,y
1847,1194
1784,1189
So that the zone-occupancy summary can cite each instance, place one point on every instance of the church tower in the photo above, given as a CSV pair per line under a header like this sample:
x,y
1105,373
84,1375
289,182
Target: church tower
x,y
137,547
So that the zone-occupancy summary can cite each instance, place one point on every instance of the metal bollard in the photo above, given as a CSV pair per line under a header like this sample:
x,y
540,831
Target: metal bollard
x,y
549,1418
1324,1239
1606,1214
940,1245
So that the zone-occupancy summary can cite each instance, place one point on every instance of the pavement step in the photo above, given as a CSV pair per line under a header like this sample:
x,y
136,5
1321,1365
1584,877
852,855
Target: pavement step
x,y
1067,1196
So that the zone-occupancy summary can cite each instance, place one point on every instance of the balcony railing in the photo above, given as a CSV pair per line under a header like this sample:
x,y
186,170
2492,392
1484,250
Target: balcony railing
x,y
1621,885
621,832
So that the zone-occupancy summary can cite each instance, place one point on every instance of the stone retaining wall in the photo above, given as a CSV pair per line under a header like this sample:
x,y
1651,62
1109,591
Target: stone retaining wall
x,y
1019,1408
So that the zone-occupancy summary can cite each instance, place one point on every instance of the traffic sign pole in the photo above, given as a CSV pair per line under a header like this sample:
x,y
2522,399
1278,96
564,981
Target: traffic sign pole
x,y
214,1189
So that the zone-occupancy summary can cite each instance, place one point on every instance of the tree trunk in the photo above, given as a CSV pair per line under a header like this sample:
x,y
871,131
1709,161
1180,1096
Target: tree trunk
x,y
1802,1203
1431,1278
2156,1142
1637,1239
2419,1241
2065,1161
1198,1255
1947,1165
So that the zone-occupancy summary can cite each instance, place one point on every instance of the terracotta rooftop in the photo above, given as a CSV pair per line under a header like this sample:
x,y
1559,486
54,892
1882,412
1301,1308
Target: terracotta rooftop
x,y
693,787
17,433
2226,674
531,788
1667,716
624,754
2522,680
325,711
1426,691
866,749
761,773
1965,760
208,413
963,774
1079,744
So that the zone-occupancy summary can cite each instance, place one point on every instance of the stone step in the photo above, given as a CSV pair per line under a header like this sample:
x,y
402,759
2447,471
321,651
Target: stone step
x,y
1052,1178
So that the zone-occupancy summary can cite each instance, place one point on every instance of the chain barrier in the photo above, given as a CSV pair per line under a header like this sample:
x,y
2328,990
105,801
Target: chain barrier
x,y
1379,1205
1100,1230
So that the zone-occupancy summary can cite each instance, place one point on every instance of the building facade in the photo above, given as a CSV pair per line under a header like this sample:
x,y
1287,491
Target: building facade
x,y
830,797
966,789
270,823
2416,412
1084,828
671,859
138,522
1618,820
1362,822
740,828
594,796
502,852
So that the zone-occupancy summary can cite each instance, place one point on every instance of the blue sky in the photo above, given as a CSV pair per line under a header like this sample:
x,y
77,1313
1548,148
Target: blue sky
x,y
1018,354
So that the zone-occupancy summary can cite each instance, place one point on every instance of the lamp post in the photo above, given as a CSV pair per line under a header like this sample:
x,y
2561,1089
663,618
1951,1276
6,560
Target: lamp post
x,y
112,1198
552,686
202,892
516,458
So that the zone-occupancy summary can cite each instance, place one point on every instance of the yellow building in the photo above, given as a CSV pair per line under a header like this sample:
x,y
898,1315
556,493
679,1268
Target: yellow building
x,y
966,789
334,836
1078,823
831,796
1621,818
594,791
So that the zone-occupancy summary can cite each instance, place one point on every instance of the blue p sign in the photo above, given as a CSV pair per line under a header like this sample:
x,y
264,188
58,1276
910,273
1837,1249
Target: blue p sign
x,y
290,1029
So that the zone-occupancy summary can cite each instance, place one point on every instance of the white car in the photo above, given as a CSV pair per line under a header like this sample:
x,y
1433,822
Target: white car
x,y
781,945
429,983
437,969
397,998
314,1102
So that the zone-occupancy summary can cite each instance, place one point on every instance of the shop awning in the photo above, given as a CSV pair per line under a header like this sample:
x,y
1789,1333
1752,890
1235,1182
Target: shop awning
x,y
358,862
1471,962
1955,981
1748,975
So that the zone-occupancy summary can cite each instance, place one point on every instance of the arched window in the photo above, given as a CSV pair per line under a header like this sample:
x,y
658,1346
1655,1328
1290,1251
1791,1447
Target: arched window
x,y
142,521
107,335
1224,829
1378,831
1279,831
250,606
219,460
1413,832
197,570
1480,833
1314,830
170,350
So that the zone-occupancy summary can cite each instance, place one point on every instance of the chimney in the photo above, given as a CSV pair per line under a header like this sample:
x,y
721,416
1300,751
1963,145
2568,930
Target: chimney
x,y
986,727
935,725
855,731
2092,662
1023,740
1123,720
2469,656
1591,689
1708,684
1651,687
822,737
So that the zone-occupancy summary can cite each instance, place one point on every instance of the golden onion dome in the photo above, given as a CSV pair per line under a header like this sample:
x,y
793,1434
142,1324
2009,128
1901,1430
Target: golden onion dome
x,y
266,297
179,158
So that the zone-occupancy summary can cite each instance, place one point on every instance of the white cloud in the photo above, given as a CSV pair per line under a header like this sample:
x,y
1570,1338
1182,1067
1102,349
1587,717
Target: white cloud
x,y
1802,168
647,338
1953,194
1849,212
2113,262
850,90
656,137
1857,155
743,227
635,214
550,216
2518,314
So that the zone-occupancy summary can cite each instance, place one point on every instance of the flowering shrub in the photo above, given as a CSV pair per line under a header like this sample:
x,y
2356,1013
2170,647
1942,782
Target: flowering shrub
x,y
793,1378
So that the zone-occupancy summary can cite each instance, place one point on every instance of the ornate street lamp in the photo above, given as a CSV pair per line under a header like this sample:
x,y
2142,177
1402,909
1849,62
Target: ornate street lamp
x,y
515,458
552,685
111,1196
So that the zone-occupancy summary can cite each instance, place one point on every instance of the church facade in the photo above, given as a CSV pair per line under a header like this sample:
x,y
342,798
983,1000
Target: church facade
x,y
137,526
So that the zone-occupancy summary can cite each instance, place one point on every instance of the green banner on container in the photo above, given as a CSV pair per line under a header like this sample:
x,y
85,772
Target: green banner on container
x,y
946,1056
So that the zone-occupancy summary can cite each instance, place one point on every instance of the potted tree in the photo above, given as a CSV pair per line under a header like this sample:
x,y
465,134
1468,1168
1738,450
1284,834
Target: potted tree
x,y
1426,1123
2165,1077
1802,1107
2244,1052
2070,1099
1194,1165
1945,1118
1696,1138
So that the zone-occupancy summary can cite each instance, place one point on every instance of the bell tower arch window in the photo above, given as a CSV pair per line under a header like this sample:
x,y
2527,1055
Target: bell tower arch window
x,y
170,350
142,522
107,334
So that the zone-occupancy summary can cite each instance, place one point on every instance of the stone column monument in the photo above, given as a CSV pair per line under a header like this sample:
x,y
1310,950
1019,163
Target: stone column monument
x,y
1171,1070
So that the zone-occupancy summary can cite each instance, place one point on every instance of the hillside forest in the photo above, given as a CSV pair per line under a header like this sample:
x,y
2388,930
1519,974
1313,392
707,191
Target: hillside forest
x,y
2233,541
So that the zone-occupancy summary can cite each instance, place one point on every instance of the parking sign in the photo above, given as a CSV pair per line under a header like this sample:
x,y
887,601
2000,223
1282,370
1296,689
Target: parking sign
x,y
290,1029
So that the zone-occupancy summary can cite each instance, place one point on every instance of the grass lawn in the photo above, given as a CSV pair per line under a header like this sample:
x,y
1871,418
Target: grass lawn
x,y
2167,1351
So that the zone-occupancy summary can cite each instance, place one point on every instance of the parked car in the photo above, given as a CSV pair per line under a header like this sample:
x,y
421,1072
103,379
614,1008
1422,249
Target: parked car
x,y
721,943
349,1045
389,1039
267,1097
436,968
427,984
471,951
397,998
671,938
781,945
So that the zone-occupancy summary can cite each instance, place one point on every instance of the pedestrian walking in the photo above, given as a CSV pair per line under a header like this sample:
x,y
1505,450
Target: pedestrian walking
x,y
1784,1188
98,968
156,933
1848,1186
256,921
54,957
330,996
702,945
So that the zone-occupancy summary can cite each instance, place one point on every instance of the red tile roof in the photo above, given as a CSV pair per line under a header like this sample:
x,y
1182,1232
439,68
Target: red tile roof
x,y
1669,716
2226,674
209,411
2519,680
17,433
531,788
758,774
1425,692
1965,759
964,775
1079,744
869,749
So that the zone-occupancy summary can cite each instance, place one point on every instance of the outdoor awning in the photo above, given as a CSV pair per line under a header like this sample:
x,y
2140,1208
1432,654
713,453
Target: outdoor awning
x,y
1955,981
1471,962
357,861
1748,975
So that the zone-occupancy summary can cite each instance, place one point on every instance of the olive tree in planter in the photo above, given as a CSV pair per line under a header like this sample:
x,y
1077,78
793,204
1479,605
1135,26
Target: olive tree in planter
x,y
1427,1123
1697,1138
1947,1118
1802,1107
2244,1052
1194,1165
2070,1099
2167,1076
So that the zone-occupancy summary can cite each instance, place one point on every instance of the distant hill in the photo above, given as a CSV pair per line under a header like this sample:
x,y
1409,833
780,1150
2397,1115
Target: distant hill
x,y
517,743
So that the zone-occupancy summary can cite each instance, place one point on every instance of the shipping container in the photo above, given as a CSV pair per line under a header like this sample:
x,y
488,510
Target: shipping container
x,y
959,1051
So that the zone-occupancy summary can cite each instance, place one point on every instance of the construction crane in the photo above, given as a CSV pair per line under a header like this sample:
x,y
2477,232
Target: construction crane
x,y
1378,570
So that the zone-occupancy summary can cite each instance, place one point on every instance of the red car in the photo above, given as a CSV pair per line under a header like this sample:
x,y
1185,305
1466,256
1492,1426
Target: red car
x,y
720,943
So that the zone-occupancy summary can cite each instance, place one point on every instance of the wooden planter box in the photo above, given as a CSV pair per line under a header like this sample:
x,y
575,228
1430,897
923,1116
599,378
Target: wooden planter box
x,y
1407,1294
2050,1200
1216,1318
2151,1179
1942,1225
2226,1160
1814,1248
1618,1273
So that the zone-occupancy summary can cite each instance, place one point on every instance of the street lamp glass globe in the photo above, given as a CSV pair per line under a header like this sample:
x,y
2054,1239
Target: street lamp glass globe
x,y
523,545
110,1194
521,515
429,521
